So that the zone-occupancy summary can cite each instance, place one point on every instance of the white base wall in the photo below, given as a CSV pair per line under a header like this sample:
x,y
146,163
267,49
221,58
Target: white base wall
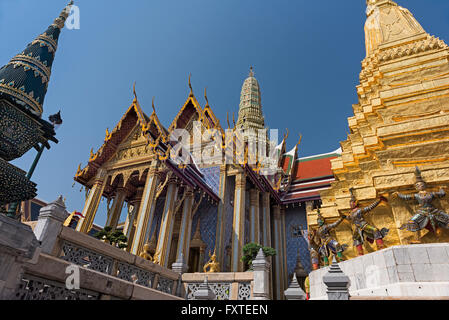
x,y
400,271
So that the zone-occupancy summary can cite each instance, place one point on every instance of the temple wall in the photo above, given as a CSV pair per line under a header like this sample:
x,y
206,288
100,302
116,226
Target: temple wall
x,y
207,214
296,233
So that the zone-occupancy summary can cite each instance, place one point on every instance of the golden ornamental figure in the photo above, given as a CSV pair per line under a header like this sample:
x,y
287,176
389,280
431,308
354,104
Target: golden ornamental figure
x,y
145,254
362,229
212,265
427,216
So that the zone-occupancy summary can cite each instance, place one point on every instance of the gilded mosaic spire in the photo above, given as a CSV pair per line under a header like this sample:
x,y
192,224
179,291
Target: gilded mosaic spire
x,y
250,112
387,22
24,80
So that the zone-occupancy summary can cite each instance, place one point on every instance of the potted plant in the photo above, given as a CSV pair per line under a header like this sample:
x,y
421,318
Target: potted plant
x,y
250,252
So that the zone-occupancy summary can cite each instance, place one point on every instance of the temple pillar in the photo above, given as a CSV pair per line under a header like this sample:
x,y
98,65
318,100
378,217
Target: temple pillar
x,y
186,227
146,210
238,236
254,216
116,209
224,194
92,202
167,222
266,221
278,259
130,223
284,276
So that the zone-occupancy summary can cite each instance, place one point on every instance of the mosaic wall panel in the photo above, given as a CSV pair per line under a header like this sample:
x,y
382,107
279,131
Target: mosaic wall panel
x,y
296,237
212,177
157,217
207,213
19,132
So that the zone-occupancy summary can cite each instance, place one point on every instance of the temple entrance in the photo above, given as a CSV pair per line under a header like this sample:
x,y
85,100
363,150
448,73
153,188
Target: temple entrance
x,y
194,258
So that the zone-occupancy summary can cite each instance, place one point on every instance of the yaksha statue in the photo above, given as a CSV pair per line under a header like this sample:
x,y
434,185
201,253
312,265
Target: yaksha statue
x,y
362,229
427,216
328,244
314,248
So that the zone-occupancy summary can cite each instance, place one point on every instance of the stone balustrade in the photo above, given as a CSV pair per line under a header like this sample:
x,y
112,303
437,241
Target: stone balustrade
x,y
46,280
83,250
226,286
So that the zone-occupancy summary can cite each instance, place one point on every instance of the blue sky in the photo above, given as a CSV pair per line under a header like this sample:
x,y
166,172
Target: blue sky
x,y
306,56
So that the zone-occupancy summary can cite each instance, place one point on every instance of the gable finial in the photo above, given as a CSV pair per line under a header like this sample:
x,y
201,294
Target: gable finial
x,y
300,139
190,85
134,92
205,97
152,104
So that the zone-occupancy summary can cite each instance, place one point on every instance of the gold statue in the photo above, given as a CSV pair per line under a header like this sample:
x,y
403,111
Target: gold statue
x,y
212,265
157,257
146,252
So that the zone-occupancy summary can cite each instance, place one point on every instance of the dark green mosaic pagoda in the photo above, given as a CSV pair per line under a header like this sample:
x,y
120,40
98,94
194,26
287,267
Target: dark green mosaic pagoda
x,y
23,86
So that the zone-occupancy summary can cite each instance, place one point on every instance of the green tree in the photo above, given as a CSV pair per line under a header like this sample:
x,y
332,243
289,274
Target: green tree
x,y
115,238
251,250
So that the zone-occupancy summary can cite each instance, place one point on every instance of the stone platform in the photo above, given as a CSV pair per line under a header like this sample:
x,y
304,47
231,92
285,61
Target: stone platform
x,y
401,271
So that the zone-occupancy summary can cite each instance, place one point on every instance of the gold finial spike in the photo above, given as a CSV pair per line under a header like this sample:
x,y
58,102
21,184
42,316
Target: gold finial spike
x,y
154,109
233,119
227,119
92,152
205,97
190,85
300,139
251,71
134,92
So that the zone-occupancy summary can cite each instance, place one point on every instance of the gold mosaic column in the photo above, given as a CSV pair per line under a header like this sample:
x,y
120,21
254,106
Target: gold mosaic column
x,y
254,216
278,259
166,230
92,202
185,231
221,217
130,223
146,210
266,220
238,236
116,209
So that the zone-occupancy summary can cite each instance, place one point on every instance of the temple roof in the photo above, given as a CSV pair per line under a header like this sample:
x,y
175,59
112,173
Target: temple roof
x,y
24,80
312,175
